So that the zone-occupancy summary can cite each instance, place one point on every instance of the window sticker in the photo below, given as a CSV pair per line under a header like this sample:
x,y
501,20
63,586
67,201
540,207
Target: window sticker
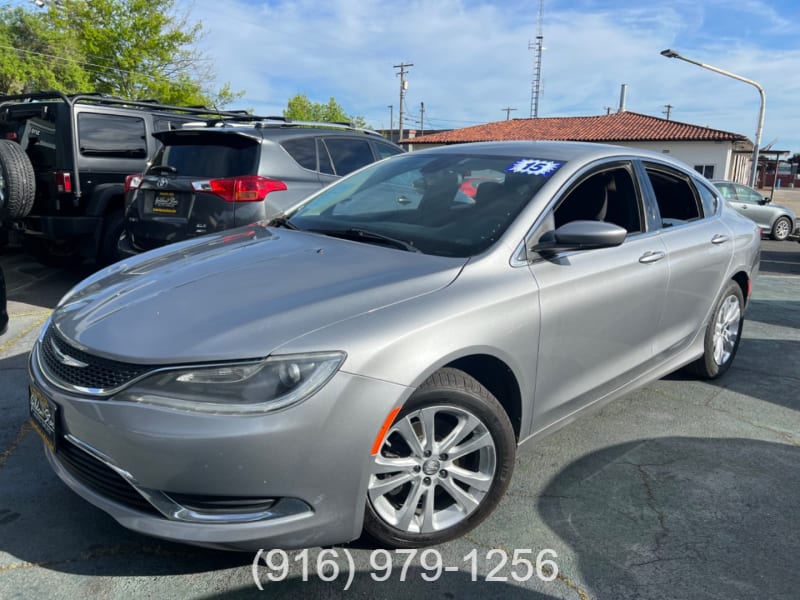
x,y
533,166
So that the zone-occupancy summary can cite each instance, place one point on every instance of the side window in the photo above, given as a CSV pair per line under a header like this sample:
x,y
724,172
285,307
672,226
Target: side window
x,y
111,136
608,196
348,154
709,200
745,194
706,171
728,191
385,150
675,196
303,150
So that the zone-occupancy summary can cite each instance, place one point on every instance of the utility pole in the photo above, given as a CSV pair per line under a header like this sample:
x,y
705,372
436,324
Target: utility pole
x,y
508,110
668,110
537,64
403,87
391,120
421,117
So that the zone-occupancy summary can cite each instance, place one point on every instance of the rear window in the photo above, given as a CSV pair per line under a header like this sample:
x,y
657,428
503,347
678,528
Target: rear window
x,y
209,156
35,130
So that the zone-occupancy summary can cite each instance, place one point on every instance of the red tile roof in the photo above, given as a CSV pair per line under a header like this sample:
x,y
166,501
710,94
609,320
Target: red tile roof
x,y
615,127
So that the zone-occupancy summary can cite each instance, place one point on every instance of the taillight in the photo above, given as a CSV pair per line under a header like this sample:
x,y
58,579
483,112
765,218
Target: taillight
x,y
250,188
63,182
133,182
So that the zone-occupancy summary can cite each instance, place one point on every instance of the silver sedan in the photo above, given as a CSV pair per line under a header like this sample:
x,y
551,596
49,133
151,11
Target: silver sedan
x,y
779,222
373,359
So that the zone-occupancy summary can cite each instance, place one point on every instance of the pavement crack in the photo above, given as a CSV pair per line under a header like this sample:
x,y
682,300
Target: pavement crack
x,y
6,454
582,594
36,324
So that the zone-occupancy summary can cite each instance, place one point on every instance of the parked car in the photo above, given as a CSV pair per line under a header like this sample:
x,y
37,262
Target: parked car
x,y
374,357
64,160
779,222
210,178
3,304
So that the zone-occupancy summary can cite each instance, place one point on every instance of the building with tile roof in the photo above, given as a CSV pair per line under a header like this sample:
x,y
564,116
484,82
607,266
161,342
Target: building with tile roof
x,y
715,153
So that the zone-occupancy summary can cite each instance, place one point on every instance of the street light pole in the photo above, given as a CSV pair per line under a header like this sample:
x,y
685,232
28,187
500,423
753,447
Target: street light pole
x,y
669,53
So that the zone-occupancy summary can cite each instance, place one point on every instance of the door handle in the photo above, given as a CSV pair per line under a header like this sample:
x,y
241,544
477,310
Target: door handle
x,y
719,239
651,257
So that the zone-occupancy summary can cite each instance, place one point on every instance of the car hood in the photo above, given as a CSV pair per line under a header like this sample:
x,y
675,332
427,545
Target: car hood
x,y
238,295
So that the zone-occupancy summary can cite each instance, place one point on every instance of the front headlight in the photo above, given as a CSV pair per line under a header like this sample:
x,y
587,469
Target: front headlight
x,y
242,388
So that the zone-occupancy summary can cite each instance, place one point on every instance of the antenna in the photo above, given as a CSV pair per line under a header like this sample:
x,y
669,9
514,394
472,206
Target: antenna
x,y
537,46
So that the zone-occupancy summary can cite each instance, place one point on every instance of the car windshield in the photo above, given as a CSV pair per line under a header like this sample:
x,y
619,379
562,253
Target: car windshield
x,y
443,204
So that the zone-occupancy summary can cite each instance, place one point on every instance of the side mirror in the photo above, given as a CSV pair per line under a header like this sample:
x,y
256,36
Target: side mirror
x,y
766,200
581,235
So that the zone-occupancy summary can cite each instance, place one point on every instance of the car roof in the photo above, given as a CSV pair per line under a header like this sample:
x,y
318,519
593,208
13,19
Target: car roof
x,y
552,150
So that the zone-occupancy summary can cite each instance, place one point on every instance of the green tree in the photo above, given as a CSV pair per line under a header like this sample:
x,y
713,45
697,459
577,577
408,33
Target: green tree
x,y
130,48
301,108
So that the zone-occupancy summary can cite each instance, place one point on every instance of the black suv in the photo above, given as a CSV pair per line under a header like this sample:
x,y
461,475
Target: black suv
x,y
211,177
63,163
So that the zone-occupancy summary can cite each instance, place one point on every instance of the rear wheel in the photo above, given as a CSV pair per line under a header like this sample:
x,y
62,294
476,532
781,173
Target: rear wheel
x,y
113,226
444,464
781,229
723,334
17,181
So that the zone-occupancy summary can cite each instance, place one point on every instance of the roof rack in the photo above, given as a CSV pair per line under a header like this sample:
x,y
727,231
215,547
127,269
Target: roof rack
x,y
106,99
259,122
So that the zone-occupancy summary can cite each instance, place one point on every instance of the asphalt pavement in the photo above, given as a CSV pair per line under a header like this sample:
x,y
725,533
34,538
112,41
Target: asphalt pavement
x,y
683,489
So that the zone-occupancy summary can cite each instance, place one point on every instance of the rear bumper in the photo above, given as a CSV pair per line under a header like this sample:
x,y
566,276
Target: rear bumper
x,y
61,228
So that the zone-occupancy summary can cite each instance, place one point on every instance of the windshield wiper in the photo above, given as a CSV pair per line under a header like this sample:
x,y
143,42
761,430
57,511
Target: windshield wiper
x,y
368,236
281,221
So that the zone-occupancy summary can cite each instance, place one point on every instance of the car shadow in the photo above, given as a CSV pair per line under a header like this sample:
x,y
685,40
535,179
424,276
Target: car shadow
x,y
681,517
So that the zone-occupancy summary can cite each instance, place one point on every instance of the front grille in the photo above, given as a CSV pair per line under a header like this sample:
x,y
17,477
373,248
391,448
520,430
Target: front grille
x,y
99,374
101,478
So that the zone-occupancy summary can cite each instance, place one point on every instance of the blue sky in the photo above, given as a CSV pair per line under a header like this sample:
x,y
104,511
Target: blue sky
x,y
471,58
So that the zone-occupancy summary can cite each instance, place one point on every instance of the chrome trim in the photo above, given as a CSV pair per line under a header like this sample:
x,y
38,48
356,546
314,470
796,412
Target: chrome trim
x,y
104,393
283,507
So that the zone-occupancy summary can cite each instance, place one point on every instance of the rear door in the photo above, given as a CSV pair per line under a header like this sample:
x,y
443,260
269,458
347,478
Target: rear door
x,y
699,250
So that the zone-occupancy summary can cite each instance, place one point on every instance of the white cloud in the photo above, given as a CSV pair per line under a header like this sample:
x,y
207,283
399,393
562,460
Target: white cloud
x,y
471,58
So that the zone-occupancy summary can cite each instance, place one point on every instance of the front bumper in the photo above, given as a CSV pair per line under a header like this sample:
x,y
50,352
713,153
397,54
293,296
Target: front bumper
x,y
312,458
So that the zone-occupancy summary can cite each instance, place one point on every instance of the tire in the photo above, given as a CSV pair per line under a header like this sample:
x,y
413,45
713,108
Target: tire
x,y
723,334
113,226
418,494
17,181
54,253
781,228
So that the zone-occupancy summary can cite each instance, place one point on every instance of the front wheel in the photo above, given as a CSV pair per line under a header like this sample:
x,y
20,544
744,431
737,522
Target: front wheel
x,y
781,229
444,465
723,335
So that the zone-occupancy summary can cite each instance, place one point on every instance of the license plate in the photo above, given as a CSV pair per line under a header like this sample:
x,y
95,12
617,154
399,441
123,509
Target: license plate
x,y
44,417
165,202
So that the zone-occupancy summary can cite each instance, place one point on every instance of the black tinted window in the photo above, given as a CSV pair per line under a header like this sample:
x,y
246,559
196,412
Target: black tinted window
x,y
303,150
348,154
675,196
111,135
210,156
386,150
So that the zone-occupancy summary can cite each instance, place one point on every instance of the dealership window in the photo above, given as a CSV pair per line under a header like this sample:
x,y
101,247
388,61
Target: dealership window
x,y
706,171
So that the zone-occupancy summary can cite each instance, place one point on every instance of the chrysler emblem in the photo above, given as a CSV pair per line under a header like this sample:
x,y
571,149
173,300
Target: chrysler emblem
x,y
66,359
162,182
